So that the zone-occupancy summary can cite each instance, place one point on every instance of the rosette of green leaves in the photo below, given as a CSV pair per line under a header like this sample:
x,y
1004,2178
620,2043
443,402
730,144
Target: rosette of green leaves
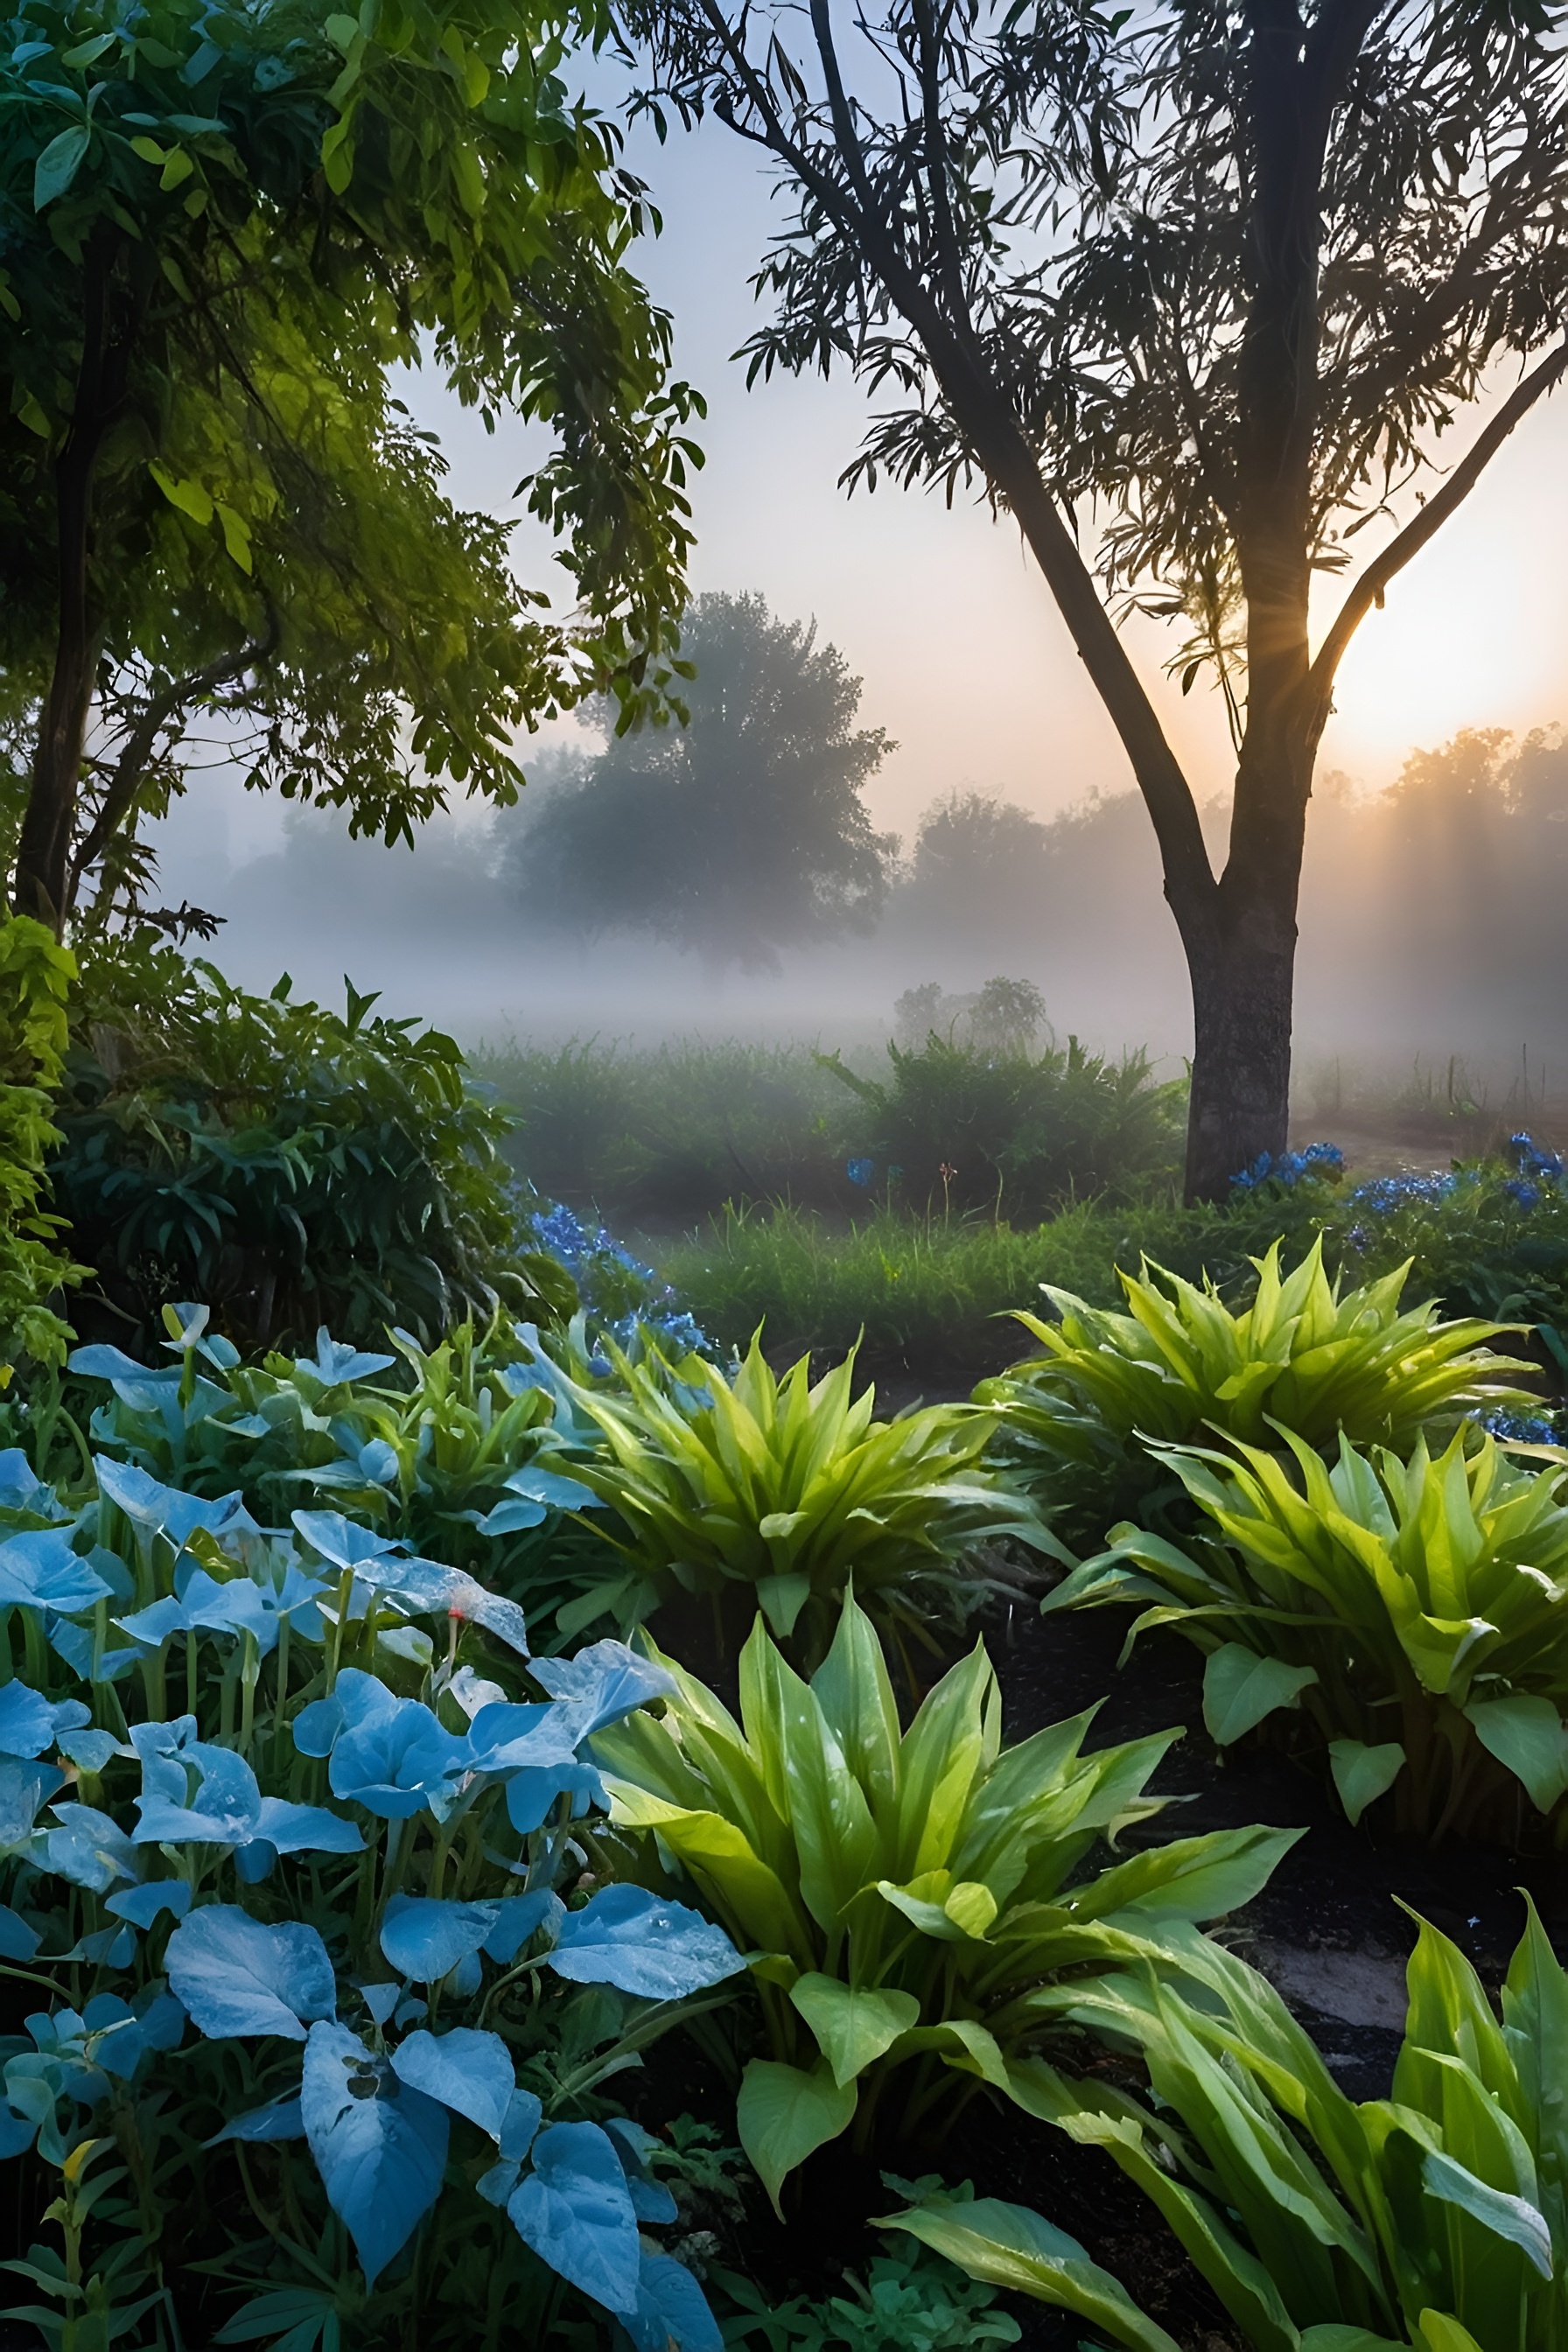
x,y
902,1893
1436,2219
1300,1356
1414,1611
786,1488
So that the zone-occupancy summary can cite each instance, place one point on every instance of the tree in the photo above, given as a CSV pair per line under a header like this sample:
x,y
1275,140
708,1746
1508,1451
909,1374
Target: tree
x,y
1194,288
221,229
980,869
739,833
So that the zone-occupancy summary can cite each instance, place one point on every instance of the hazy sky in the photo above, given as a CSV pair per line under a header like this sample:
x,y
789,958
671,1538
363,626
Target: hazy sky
x,y
966,661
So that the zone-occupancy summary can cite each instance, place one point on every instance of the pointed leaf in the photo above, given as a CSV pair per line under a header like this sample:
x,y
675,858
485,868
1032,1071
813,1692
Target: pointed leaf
x,y
1240,1688
380,2145
853,2025
783,2113
238,1977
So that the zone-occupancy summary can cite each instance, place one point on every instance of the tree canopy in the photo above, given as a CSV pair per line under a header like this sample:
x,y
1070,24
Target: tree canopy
x,y
224,225
1196,292
739,833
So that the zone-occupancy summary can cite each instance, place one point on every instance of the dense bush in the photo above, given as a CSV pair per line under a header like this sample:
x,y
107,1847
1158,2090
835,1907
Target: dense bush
x,y
1415,1612
779,1495
36,975
901,1895
290,1165
1078,1422
962,1127
1435,2219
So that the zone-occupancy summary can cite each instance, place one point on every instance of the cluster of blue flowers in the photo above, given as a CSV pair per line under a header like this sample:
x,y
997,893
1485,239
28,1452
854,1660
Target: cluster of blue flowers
x,y
1536,1171
622,1296
1521,1429
1382,1195
1324,1160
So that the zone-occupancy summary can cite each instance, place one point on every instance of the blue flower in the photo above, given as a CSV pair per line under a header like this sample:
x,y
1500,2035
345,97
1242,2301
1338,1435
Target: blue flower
x,y
1290,1168
1382,1195
1528,1195
860,1173
1520,1429
1530,1159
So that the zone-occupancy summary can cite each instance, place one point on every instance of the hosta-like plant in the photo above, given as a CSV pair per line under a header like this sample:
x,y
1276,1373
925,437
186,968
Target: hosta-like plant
x,y
289,1834
465,1449
902,1893
1437,2219
1415,1612
782,1490
1300,1356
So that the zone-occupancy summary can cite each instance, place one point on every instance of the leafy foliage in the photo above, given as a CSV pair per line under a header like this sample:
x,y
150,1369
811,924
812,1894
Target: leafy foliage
x,y
36,975
1435,2219
292,1165
903,1892
1017,1133
1298,1357
737,834
222,234
1423,1599
777,1492
347,1856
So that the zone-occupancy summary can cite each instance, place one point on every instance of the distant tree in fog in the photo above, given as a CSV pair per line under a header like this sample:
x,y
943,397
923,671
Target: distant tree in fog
x,y
979,868
737,835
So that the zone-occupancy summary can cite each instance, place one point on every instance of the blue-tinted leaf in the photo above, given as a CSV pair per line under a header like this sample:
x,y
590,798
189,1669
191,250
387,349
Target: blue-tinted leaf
x,y
467,2071
236,1976
602,1683
18,1940
39,1570
89,1750
510,1519
396,1760
520,2125
141,1905
549,1487
516,1917
29,1722
306,1829
89,1849
380,2145
530,1796
426,1586
575,2212
281,2120
24,1787
425,1938
671,2309
344,1543
643,1944
335,1361
58,164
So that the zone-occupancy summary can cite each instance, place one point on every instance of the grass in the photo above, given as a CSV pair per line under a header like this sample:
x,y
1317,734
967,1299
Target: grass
x,y
932,1297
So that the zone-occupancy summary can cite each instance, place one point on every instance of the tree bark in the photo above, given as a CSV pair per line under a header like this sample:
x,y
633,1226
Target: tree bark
x,y
41,883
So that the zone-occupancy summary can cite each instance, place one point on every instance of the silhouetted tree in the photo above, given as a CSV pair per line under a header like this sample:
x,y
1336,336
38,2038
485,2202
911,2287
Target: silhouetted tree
x,y
738,834
1191,290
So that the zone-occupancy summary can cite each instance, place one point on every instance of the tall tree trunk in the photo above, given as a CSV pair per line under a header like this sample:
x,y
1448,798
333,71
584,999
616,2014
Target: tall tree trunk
x,y
41,883
1242,985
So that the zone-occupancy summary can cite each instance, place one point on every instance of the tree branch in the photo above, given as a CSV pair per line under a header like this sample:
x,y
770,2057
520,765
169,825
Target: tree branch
x,y
138,749
1369,589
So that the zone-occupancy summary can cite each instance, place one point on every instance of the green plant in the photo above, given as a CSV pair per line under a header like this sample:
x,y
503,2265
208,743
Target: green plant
x,y
778,1491
1427,1599
910,2299
1017,1133
903,1893
1438,2217
36,976
290,1165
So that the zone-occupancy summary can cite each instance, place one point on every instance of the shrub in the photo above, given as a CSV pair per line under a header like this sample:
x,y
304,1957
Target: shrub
x,y
306,1894
1430,1597
1016,1133
1075,1420
36,975
902,1894
1435,2219
290,1165
469,1451
775,1493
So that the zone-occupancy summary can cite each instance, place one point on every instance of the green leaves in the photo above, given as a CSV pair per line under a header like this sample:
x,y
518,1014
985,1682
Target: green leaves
x,y
790,1488
1240,1688
1012,2247
785,2113
58,163
901,1890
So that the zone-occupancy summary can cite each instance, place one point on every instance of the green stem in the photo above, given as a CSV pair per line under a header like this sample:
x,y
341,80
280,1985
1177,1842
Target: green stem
x,y
250,1667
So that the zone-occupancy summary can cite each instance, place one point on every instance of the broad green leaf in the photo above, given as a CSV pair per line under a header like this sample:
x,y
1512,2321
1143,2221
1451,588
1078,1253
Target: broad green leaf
x,y
1513,2218
1528,1736
1362,1774
1334,2336
1192,1878
1240,1688
189,497
1535,2028
853,2025
783,2113
58,164
1443,2333
856,1695
1012,2247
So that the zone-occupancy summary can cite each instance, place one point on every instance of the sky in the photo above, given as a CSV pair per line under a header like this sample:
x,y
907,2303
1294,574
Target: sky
x,y
964,660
